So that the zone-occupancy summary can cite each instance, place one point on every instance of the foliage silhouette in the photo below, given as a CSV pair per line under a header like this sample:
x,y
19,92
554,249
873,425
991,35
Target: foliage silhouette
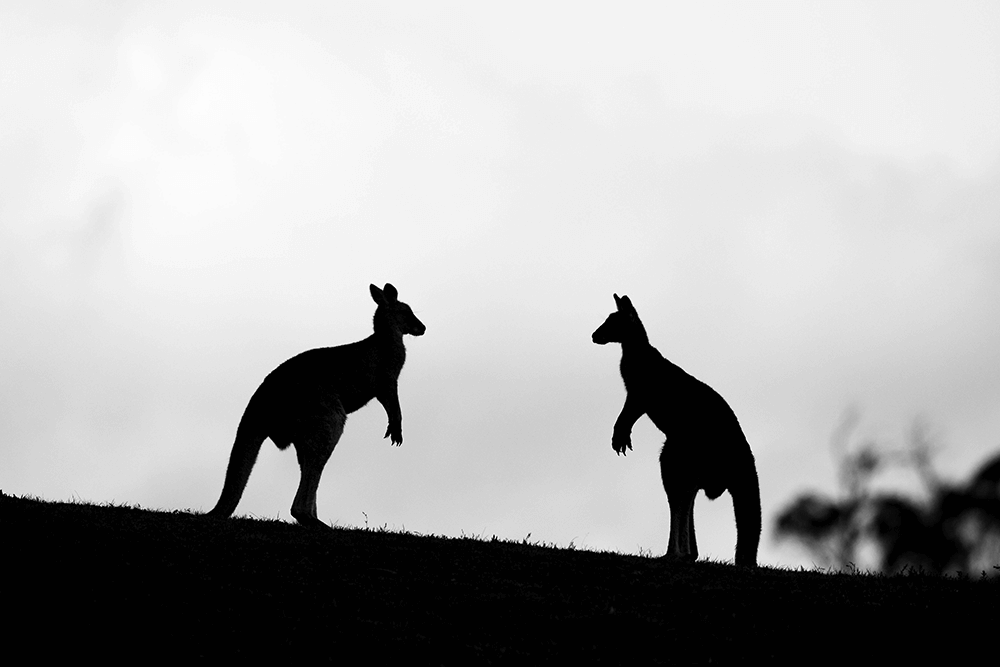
x,y
956,529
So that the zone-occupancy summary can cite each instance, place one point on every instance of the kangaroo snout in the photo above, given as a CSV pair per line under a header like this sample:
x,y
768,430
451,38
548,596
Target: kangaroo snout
x,y
606,332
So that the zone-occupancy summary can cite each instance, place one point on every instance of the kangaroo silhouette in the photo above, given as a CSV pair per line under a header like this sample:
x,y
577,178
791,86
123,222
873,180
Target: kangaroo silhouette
x,y
305,402
705,446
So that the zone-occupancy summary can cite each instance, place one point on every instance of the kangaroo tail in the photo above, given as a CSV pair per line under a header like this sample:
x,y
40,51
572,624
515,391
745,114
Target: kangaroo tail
x,y
746,506
249,438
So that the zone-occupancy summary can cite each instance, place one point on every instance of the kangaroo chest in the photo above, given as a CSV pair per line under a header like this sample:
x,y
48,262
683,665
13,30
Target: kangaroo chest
x,y
645,370
657,384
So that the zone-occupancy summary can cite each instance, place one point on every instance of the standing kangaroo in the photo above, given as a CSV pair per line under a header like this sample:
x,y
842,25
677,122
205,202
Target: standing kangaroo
x,y
305,402
705,446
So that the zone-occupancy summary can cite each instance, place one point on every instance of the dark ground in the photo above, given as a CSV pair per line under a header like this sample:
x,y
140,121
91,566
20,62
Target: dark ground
x,y
121,583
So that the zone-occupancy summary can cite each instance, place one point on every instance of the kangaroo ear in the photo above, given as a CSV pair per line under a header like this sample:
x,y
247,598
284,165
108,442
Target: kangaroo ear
x,y
618,302
625,305
377,295
390,292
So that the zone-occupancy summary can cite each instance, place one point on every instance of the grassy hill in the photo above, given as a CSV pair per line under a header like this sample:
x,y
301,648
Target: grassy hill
x,y
129,584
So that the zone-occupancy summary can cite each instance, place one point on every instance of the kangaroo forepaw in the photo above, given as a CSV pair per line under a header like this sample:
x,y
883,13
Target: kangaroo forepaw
x,y
621,445
395,434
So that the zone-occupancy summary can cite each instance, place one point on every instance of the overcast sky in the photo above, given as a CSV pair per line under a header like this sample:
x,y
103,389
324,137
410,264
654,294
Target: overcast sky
x,y
801,199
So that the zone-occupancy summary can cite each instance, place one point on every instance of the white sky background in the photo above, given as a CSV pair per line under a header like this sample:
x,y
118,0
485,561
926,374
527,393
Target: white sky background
x,y
802,200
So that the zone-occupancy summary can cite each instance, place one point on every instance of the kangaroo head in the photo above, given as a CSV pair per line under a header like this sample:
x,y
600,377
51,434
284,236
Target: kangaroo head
x,y
392,315
620,325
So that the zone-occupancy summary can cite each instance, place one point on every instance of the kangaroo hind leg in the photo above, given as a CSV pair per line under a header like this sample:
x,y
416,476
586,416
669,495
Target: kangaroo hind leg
x,y
682,544
313,448
676,473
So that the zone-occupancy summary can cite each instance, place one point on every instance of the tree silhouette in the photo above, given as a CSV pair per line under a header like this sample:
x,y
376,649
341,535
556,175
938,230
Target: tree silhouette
x,y
955,529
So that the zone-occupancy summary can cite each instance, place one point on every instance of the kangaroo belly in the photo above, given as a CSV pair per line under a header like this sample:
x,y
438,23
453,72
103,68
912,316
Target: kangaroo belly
x,y
687,464
290,409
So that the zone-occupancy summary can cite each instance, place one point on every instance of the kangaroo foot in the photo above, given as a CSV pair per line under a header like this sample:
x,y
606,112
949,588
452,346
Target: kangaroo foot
x,y
312,522
678,558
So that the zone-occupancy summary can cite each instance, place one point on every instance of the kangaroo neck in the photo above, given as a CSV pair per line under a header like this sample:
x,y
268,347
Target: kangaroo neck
x,y
389,341
636,348
636,340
